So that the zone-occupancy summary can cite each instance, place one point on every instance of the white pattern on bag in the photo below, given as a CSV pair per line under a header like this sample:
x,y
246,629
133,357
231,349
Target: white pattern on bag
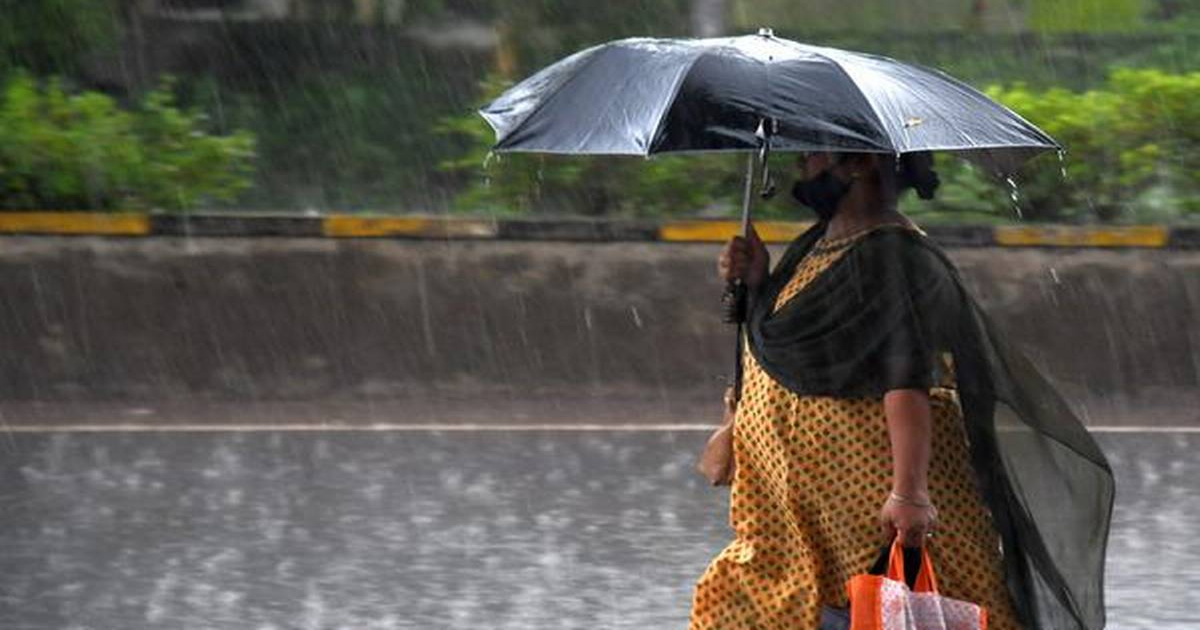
x,y
903,609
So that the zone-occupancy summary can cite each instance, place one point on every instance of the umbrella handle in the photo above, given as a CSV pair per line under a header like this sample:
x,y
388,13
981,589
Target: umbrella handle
x,y
733,302
735,298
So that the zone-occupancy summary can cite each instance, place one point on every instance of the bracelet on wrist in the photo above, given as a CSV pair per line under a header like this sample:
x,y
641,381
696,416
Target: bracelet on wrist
x,y
899,498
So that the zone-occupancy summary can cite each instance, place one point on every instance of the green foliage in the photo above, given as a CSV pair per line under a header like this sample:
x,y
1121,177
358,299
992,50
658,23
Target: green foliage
x,y
348,140
1086,16
860,16
52,36
1133,153
82,151
184,165
1181,16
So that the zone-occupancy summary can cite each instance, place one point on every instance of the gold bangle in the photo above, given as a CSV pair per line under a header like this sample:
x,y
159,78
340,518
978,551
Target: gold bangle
x,y
908,500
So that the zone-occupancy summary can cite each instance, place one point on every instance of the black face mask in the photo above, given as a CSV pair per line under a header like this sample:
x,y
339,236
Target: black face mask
x,y
821,194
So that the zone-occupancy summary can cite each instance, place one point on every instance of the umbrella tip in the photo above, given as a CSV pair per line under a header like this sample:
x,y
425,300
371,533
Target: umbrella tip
x,y
765,32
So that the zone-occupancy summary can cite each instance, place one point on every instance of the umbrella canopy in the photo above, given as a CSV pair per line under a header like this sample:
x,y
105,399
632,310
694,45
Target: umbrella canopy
x,y
644,96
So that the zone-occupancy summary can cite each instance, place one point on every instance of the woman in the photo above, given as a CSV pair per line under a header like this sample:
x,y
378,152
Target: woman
x,y
872,392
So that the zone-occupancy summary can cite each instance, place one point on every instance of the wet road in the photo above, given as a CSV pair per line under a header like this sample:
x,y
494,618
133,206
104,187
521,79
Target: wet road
x,y
442,529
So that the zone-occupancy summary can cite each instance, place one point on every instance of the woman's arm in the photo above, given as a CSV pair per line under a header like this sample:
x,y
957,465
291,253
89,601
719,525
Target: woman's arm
x,y
910,429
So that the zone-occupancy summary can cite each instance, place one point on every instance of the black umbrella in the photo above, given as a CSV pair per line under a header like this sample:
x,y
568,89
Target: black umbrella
x,y
648,96
757,93
643,96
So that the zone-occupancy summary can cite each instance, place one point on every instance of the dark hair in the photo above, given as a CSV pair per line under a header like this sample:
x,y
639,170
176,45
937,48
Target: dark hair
x,y
916,171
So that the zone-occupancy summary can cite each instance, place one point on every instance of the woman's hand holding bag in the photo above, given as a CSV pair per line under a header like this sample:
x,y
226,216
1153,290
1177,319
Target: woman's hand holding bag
x,y
885,602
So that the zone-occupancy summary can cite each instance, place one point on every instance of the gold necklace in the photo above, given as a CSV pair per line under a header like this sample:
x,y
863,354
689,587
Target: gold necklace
x,y
825,240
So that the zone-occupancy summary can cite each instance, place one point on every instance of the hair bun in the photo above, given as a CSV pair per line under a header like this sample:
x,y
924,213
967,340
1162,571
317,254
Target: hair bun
x,y
916,172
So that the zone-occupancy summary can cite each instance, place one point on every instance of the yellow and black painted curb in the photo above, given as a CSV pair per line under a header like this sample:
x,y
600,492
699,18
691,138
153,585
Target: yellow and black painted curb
x,y
583,230
72,223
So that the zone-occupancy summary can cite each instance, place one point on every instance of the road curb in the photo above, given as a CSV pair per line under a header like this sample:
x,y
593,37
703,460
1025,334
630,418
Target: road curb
x,y
353,226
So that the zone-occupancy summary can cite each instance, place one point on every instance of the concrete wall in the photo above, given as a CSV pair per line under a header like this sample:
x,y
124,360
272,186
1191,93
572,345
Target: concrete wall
x,y
312,319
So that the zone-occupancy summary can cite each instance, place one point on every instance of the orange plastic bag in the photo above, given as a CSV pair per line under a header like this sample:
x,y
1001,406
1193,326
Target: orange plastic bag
x,y
884,602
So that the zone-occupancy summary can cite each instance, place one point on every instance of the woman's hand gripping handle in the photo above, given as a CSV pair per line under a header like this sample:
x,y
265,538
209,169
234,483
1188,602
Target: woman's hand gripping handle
x,y
743,265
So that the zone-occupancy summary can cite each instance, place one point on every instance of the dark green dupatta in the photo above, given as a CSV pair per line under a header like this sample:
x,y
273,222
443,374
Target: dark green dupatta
x,y
875,321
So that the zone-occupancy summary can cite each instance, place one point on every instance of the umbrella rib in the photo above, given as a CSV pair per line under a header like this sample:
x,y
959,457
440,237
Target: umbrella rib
x,y
966,139
579,71
966,89
963,85
815,51
662,117
661,123
956,83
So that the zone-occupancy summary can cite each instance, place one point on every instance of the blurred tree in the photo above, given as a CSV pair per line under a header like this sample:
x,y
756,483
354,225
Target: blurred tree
x,y
1172,9
192,5
60,37
860,16
1176,15
976,19
67,151
54,36
534,34
1133,154
709,17
324,10
1087,16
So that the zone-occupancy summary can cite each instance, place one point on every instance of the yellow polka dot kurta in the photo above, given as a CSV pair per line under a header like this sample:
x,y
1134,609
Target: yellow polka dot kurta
x,y
812,475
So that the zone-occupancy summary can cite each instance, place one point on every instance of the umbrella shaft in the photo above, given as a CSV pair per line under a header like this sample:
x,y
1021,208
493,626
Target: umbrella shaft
x,y
748,194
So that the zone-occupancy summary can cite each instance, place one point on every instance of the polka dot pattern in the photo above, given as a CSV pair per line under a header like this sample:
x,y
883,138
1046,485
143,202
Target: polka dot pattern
x,y
812,475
